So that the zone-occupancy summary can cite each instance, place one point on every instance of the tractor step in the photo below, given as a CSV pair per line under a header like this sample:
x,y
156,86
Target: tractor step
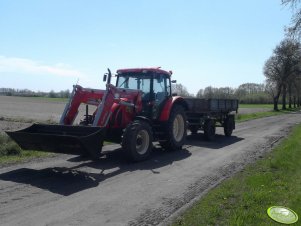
x,y
76,140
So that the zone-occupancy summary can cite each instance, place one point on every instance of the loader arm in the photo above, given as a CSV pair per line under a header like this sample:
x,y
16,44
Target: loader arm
x,y
80,95
103,99
129,98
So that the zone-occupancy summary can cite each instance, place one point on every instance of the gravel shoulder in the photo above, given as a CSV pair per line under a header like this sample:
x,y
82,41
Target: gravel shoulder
x,y
68,190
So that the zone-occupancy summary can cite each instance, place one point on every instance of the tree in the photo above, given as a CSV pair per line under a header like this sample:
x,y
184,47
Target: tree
x,y
52,94
180,90
64,93
295,28
200,94
281,70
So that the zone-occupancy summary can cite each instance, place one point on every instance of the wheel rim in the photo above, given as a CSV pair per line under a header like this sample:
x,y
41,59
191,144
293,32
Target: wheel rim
x,y
178,128
142,142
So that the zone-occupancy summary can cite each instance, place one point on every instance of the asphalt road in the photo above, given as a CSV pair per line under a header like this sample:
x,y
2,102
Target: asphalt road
x,y
68,190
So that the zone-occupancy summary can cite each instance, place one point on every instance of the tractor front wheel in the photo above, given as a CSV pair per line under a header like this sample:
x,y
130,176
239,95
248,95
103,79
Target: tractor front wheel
x,y
137,140
175,129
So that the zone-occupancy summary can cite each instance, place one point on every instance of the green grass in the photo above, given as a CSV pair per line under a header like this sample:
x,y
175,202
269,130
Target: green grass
x,y
23,156
271,106
10,152
8,147
245,198
256,115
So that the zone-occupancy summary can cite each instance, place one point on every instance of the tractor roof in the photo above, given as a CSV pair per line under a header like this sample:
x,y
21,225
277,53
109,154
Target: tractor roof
x,y
144,70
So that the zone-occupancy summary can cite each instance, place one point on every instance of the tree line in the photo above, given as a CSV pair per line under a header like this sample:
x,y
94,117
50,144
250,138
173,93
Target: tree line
x,y
247,93
30,93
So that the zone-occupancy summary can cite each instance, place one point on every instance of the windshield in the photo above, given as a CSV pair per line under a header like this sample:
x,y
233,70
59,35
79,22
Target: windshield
x,y
134,81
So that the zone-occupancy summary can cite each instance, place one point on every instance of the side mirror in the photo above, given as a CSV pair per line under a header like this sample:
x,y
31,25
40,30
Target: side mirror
x,y
104,77
173,81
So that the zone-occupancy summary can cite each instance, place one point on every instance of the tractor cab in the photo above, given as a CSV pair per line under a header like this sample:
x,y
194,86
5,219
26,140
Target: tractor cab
x,y
154,84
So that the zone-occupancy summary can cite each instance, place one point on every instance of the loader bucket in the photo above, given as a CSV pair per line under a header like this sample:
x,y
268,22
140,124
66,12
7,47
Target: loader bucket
x,y
61,139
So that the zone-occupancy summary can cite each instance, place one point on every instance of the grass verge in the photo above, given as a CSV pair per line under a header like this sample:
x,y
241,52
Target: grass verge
x,y
256,115
271,106
10,152
245,198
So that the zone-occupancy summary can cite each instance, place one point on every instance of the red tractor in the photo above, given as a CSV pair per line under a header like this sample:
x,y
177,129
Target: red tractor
x,y
137,111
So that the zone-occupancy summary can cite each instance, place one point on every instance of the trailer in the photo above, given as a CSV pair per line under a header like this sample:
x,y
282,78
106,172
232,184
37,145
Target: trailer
x,y
207,114
135,112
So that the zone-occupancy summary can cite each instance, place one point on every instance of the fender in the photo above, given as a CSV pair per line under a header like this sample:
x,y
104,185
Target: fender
x,y
164,116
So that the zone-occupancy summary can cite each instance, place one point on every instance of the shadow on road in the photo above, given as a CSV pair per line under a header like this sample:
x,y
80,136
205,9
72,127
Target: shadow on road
x,y
69,180
220,141
85,174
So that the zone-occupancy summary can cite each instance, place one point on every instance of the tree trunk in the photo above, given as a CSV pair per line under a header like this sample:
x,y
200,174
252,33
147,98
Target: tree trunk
x,y
294,101
290,96
276,98
284,98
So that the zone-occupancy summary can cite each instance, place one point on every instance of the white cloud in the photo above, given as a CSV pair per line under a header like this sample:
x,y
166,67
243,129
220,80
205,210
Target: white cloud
x,y
23,65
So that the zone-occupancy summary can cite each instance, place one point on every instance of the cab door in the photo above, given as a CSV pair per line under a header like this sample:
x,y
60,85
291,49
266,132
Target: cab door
x,y
161,92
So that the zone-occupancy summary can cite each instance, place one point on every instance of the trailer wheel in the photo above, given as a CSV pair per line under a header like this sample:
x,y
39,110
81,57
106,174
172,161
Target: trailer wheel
x,y
194,129
175,129
137,140
229,125
209,129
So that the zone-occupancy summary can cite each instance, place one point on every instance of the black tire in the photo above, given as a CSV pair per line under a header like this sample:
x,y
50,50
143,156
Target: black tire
x,y
229,125
209,129
137,140
193,129
175,130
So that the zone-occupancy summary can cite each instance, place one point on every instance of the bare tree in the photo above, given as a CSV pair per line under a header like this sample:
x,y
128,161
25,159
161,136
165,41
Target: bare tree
x,y
281,70
273,72
295,28
180,90
200,93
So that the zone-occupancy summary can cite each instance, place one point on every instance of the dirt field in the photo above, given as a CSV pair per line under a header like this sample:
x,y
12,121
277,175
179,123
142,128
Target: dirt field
x,y
34,109
68,190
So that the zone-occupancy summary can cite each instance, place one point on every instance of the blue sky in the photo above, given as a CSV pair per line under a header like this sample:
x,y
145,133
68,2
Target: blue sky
x,y
50,44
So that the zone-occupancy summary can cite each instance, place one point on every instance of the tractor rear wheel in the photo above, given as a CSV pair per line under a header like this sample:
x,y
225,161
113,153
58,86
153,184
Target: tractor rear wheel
x,y
209,129
137,140
175,129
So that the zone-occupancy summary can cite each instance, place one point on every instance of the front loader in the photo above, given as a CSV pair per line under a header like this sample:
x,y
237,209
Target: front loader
x,y
136,111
